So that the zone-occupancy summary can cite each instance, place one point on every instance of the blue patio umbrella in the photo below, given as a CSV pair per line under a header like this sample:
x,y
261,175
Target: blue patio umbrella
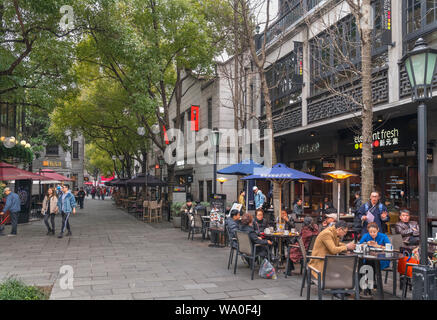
x,y
281,174
243,168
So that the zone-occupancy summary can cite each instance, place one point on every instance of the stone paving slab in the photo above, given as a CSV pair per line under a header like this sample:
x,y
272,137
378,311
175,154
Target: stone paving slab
x,y
115,256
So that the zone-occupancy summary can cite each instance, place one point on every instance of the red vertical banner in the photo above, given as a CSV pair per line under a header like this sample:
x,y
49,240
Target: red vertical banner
x,y
194,118
165,135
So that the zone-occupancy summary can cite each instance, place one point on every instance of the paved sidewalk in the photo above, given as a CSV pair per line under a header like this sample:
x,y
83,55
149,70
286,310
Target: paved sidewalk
x,y
115,256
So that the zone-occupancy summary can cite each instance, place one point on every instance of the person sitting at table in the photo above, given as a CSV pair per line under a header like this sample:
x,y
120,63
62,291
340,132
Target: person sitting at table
x,y
233,224
376,239
260,223
328,243
329,221
298,208
287,220
309,229
246,225
408,229
188,207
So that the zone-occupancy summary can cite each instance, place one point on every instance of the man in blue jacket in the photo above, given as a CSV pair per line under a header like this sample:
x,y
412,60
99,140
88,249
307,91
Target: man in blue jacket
x,y
373,211
260,198
14,207
66,205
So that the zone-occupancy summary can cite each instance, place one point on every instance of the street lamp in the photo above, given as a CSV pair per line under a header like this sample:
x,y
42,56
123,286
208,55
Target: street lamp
x,y
420,64
215,139
339,175
221,180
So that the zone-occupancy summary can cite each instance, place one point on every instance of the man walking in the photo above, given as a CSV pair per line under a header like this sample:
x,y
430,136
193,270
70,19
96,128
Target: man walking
x,y
14,207
81,197
67,205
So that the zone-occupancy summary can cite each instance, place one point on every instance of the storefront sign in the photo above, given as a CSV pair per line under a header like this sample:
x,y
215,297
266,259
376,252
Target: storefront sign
x,y
52,163
396,134
381,138
308,148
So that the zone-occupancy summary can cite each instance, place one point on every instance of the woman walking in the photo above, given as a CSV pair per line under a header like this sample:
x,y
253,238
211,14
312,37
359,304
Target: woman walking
x,y
50,209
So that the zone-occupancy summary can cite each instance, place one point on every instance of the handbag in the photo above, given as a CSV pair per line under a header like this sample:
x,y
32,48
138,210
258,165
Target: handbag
x,y
402,265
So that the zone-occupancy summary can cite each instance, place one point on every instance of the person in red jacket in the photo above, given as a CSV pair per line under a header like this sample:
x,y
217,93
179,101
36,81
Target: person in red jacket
x,y
309,229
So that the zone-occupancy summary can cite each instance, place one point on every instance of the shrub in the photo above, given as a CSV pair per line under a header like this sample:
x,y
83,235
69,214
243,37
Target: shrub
x,y
13,289
176,208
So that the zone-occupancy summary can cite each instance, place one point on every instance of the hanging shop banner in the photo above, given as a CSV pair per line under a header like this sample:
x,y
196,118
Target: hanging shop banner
x,y
298,51
387,22
194,118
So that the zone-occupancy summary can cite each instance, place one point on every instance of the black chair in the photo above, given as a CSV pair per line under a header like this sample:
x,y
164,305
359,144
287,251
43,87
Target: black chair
x,y
247,250
195,225
339,276
231,241
301,247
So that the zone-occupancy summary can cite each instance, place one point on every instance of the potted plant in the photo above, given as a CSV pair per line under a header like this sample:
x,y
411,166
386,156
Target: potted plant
x,y
176,213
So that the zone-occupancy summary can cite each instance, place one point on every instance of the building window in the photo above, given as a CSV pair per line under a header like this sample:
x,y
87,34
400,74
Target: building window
x,y
75,149
52,150
201,191
420,17
335,49
208,190
210,113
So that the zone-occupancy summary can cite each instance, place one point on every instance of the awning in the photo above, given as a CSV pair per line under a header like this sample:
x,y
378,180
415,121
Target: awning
x,y
53,175
9,172
140,180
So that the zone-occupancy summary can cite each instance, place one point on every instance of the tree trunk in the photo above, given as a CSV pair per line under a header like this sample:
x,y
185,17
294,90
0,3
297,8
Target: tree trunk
x,y
367,175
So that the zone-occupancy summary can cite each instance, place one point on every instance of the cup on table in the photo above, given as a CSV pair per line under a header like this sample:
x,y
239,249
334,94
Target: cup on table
x,y
271,229
293,230
267,230
388,247
286,232
359,248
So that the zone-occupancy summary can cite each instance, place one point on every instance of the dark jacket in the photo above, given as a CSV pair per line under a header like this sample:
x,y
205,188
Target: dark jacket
x,y
232,226
81,194
407,230
377,210
357,221
252,234
259,226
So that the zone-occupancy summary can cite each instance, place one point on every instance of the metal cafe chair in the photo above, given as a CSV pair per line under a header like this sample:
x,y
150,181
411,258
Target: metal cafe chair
x,y
247,250
339,276
231,244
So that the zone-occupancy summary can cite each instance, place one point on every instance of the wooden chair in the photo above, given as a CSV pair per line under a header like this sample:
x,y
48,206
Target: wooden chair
x,y
146,211
153,208
159,211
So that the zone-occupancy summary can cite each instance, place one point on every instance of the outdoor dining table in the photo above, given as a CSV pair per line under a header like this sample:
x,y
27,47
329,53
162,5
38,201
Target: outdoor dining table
x,y
280,239
377,256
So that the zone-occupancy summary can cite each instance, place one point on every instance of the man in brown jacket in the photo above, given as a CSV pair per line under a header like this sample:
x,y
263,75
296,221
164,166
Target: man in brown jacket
x,y
328,243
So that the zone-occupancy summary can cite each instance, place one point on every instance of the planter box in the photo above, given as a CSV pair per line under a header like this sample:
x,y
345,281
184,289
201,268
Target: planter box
x,y
177,222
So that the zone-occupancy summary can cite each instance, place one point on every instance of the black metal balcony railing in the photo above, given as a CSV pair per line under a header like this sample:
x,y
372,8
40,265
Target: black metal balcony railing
x,y
328,105
286,119
291,16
